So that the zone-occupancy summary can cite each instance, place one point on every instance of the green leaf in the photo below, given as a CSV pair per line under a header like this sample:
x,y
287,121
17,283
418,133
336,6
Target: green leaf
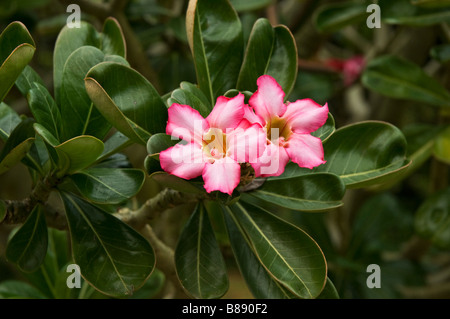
x,y
17,145
404,12
3,210
9,119
311,192
79,116
70,39
199,262
189,94
326,130
442,146
28,247
249,5
26,79
160,142
290,255
335,16
431,3
269,51
365,154
441,53
177,183
127,100
432,219
329,291
215,37
113,40
14,289
112,256
398,78
81,152
109,186
114,144
259,281
16,51
44,109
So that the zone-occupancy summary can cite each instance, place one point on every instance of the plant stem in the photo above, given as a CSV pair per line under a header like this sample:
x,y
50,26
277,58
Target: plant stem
x,y
152,208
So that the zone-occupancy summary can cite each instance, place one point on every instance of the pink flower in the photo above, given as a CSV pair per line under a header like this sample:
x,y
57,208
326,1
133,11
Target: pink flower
x,y
350,68
288,128
215,146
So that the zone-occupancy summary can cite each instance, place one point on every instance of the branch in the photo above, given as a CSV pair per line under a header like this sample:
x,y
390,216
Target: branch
x,y
18,211
152,208
165,262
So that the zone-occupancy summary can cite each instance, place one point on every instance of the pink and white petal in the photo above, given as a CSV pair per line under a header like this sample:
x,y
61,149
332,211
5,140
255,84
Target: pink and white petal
x,y
185,161
223,175
272,162
186,123
246,143
305,150
252,118
268,100
305,116
227,113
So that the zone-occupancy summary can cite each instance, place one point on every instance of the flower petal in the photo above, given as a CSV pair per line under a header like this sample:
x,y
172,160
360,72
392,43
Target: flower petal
x,y
227,113
305,150
186,123
185,161
305,116
246,144
272,162
268,100
223,175
252,118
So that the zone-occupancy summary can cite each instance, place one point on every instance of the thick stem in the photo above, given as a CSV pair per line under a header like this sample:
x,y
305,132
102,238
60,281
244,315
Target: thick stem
x,y
152,208
165,262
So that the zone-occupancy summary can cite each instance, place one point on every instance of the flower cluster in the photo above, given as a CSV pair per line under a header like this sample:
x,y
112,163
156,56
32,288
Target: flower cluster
x,y
264,134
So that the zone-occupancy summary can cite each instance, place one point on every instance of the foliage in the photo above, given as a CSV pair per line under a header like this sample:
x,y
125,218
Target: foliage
x,y
87,127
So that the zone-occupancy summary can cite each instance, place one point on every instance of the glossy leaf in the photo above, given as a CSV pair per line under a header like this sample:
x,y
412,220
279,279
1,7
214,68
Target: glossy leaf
x,y
44,109
17,145
112,256
326,130
127,100
334,16
199,262
270,50
81,152
432,219
177,183
311,192
28,247
215,37
290,255
16,51
329,291
160,142
113,40
259,281
114,144
79,116
9,119
249,5
397,78
25,81
365,153
15,289
189,94
404,12
70,39
442,146
108,186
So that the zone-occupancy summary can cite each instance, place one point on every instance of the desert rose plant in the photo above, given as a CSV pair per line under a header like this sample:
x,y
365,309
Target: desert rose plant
x,y
231,154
